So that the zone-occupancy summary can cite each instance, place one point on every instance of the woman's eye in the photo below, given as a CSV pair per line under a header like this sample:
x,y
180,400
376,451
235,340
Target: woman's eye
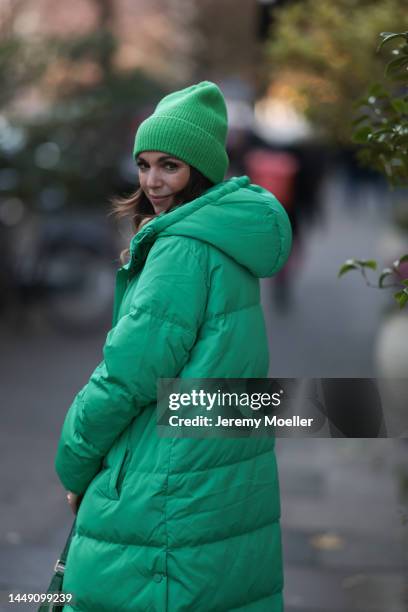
x,y
170,166
141,165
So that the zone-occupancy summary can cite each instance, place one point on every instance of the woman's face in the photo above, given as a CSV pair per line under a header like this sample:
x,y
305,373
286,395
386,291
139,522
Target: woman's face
x,y
162,177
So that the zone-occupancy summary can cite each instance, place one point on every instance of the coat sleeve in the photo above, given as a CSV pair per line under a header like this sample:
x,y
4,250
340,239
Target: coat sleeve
x,y
152,341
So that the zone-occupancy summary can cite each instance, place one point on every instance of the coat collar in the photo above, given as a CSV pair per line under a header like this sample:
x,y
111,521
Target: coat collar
x,y
142,242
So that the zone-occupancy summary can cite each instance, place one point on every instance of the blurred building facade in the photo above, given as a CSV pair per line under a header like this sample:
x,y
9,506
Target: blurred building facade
x,y
172,40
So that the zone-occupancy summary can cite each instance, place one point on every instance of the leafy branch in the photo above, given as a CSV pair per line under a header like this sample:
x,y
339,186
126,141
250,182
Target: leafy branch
x,y
382,129
382,123
362,264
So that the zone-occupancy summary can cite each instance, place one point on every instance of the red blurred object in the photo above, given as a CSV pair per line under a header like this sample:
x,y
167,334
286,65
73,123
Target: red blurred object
x,y
274,171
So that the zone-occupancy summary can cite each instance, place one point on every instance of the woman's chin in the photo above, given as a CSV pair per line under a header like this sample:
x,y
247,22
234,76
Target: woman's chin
x,y
162,205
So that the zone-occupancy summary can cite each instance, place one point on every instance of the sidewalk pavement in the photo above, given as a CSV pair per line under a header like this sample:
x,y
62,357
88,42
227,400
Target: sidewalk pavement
x,y
345,524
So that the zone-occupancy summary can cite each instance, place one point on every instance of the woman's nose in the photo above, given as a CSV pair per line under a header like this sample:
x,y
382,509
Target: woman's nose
x,y
153,179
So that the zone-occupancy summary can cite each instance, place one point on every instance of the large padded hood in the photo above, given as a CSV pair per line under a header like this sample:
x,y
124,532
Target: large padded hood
x,y
243,220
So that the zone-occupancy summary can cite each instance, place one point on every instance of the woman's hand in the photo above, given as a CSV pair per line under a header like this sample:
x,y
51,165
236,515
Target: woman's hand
x,y
74,501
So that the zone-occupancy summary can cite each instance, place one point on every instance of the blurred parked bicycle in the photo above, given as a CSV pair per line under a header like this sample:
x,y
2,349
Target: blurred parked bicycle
x,y
63,263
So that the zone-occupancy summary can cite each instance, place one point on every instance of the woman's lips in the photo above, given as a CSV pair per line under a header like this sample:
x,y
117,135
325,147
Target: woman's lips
x,y
159,198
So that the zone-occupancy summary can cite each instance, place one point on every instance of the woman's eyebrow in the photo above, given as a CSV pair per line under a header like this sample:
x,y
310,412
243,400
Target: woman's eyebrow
x,y
162,158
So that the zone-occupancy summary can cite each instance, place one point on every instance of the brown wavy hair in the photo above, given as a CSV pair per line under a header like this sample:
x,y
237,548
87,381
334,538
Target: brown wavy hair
x,y
139,210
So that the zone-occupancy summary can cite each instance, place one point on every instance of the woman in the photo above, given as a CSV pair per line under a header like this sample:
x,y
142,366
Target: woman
x,y
177,524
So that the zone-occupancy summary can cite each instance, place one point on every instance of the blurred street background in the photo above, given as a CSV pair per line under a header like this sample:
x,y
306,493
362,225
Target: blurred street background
x,y
77,79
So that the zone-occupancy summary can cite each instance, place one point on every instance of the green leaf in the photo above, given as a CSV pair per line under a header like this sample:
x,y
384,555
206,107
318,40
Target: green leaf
x,y
387,36
346,267
378,138
386,272
405,282
402,297
362,101
383,130
399,76
399,104
395,65
362,134
377,90
360,119
367,263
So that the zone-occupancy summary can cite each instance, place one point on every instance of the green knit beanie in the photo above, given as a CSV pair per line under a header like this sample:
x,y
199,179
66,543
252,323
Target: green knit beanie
x,y
190,124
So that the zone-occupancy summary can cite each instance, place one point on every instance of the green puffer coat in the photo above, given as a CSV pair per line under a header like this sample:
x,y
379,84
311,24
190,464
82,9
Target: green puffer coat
x,y
173,524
